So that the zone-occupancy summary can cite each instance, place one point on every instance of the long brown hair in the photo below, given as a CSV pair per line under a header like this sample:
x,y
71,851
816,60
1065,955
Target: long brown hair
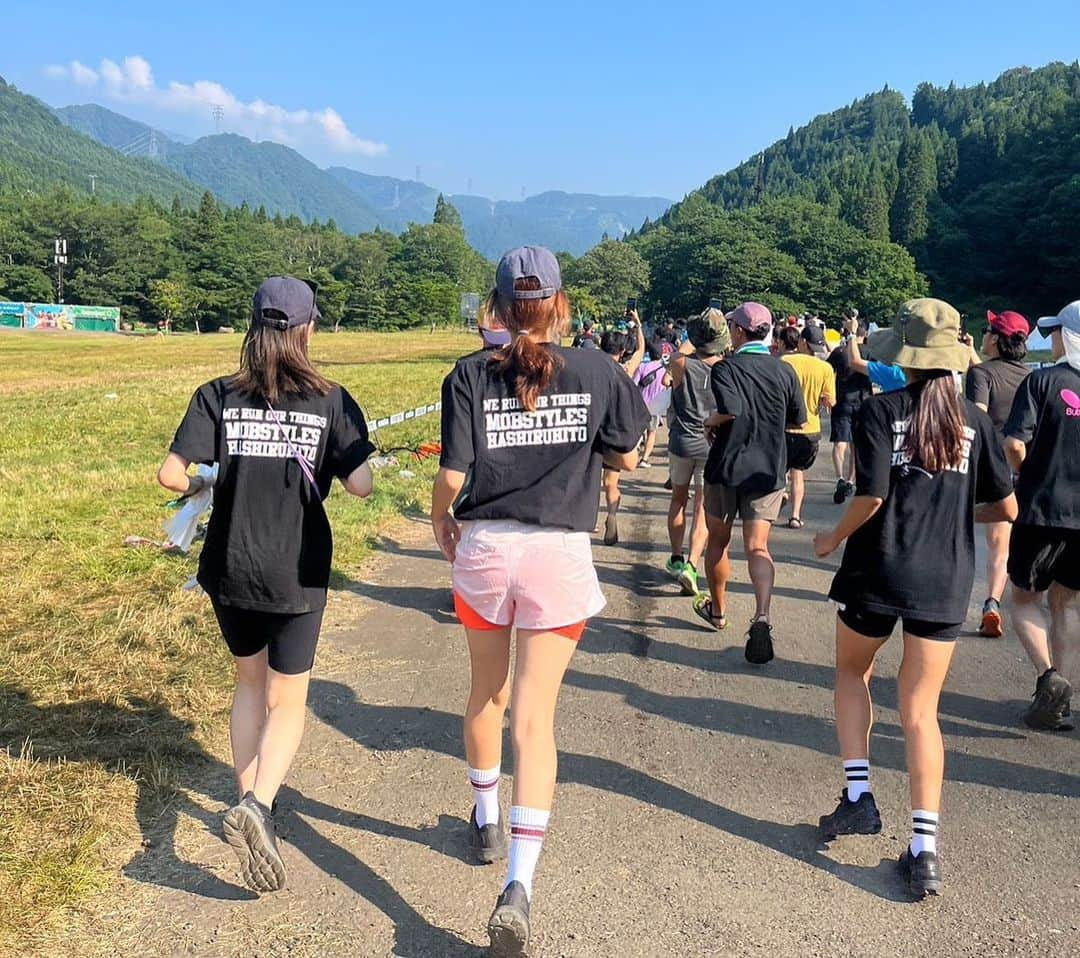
x,y
525,362
935,433
275,363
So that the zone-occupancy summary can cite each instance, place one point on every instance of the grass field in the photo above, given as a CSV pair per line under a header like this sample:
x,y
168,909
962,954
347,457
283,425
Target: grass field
x,y
113,681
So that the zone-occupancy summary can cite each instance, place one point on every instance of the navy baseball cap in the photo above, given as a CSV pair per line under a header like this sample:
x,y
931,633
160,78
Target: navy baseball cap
x,y
526,262
814,335
285,301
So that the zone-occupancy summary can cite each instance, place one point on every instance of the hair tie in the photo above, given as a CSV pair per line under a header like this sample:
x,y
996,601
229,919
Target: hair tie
x,y
522,332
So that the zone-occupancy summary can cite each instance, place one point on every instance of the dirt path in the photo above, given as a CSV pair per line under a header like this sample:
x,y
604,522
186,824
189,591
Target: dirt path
x,y
687,785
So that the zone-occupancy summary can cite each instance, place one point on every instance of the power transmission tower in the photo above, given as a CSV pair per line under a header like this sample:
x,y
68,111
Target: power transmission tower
x,y
759,186
217,113
93,182
153,150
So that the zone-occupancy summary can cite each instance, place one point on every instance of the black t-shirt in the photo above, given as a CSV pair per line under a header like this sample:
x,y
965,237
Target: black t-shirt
x,y
916,555
994,384
763,394
851,387
1046,416
268,545
543,467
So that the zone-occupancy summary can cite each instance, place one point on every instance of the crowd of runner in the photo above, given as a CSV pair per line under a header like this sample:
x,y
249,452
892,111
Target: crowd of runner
x,y
929,436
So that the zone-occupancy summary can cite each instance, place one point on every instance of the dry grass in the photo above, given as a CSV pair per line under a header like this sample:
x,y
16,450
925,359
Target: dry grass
x,y
115,682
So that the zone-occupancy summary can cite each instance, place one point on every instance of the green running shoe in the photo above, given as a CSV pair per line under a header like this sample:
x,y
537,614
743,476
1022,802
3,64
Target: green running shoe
x,y
675,566
688,580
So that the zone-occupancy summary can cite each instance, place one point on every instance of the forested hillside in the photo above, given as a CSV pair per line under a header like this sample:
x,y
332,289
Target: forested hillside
x,y
116,131
203,264
981,184
273,176
37,151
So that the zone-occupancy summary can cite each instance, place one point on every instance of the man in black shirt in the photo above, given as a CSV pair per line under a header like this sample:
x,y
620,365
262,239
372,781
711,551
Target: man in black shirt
x,y
1043,445
991,385
852,388
757,399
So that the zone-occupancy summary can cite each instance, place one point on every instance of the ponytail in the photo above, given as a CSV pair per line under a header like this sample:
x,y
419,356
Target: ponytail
x,y
526,363
935,434
531,366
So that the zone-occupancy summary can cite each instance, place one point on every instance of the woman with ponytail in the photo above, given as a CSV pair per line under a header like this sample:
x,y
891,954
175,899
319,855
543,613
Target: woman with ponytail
x,y
928,466
533,424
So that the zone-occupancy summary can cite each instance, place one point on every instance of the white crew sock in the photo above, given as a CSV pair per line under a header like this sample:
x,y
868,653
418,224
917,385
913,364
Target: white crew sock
x,y
923,831
857,773
528,826
485,790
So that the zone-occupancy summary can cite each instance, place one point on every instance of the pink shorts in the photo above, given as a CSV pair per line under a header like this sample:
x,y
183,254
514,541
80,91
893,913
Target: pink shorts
x,y
531,577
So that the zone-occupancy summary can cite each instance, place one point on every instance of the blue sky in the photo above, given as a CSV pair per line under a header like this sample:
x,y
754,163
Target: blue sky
x,y
642,98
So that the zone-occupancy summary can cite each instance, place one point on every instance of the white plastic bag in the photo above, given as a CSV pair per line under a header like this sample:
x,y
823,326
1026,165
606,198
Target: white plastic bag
x,y
180,529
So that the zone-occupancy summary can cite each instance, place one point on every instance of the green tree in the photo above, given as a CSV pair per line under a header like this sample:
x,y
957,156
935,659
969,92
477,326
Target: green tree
x,y
171,299
447,215
610,272
917,180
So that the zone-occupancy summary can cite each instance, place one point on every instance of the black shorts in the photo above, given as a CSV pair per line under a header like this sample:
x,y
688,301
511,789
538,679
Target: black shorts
x,y
290,640
802,450
1040,556
879,625
841,423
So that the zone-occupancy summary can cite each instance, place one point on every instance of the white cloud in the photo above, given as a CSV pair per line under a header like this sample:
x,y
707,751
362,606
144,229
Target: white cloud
x,y
133,81
83,75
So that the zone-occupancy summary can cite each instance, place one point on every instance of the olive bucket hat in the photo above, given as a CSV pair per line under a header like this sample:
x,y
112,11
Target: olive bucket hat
x,y
709,332
924,335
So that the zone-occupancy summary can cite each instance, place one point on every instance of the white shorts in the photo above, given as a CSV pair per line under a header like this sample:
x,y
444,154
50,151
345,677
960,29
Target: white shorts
x,y
530,577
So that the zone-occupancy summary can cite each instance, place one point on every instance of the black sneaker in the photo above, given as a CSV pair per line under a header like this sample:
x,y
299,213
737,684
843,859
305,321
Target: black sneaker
x,y
759,648
921,873
1049,710
841,493
851,818
249,829
508,926
488,843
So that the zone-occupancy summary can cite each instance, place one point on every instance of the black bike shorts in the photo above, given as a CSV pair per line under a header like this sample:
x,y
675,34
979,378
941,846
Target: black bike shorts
x,y
290,640
1040,556
879,625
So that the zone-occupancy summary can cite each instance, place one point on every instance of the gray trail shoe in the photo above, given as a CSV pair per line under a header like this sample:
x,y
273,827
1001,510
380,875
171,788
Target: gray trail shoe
x,y
249,829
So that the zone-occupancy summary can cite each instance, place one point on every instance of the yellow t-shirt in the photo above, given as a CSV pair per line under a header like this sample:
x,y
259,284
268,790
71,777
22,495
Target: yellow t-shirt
x,y
817,379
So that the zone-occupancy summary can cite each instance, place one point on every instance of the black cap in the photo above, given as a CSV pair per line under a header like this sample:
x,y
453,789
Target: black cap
x,y
285,301
814,335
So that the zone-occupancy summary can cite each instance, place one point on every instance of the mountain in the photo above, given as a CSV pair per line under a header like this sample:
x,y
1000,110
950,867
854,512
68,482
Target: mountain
x,y
574,222
396,202
237,171
38,150
981,184
123,134
268,174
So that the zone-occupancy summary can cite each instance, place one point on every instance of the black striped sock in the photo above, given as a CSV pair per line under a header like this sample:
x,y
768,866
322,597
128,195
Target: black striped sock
x,y
923,831
857,773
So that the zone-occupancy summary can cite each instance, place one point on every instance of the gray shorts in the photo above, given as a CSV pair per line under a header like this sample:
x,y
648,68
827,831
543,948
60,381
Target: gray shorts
x,y
727,504
684,471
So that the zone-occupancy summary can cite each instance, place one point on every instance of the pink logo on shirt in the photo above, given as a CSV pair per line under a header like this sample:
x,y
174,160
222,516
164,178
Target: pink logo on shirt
x,y
1072,401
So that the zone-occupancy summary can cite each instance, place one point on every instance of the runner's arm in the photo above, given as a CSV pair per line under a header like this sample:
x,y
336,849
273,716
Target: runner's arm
x,y
173,475
448,486
855,361
631,365
860,512
1015,452
359,482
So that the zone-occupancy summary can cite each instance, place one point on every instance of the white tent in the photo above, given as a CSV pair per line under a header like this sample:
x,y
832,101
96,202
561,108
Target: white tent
x,y
1037,341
